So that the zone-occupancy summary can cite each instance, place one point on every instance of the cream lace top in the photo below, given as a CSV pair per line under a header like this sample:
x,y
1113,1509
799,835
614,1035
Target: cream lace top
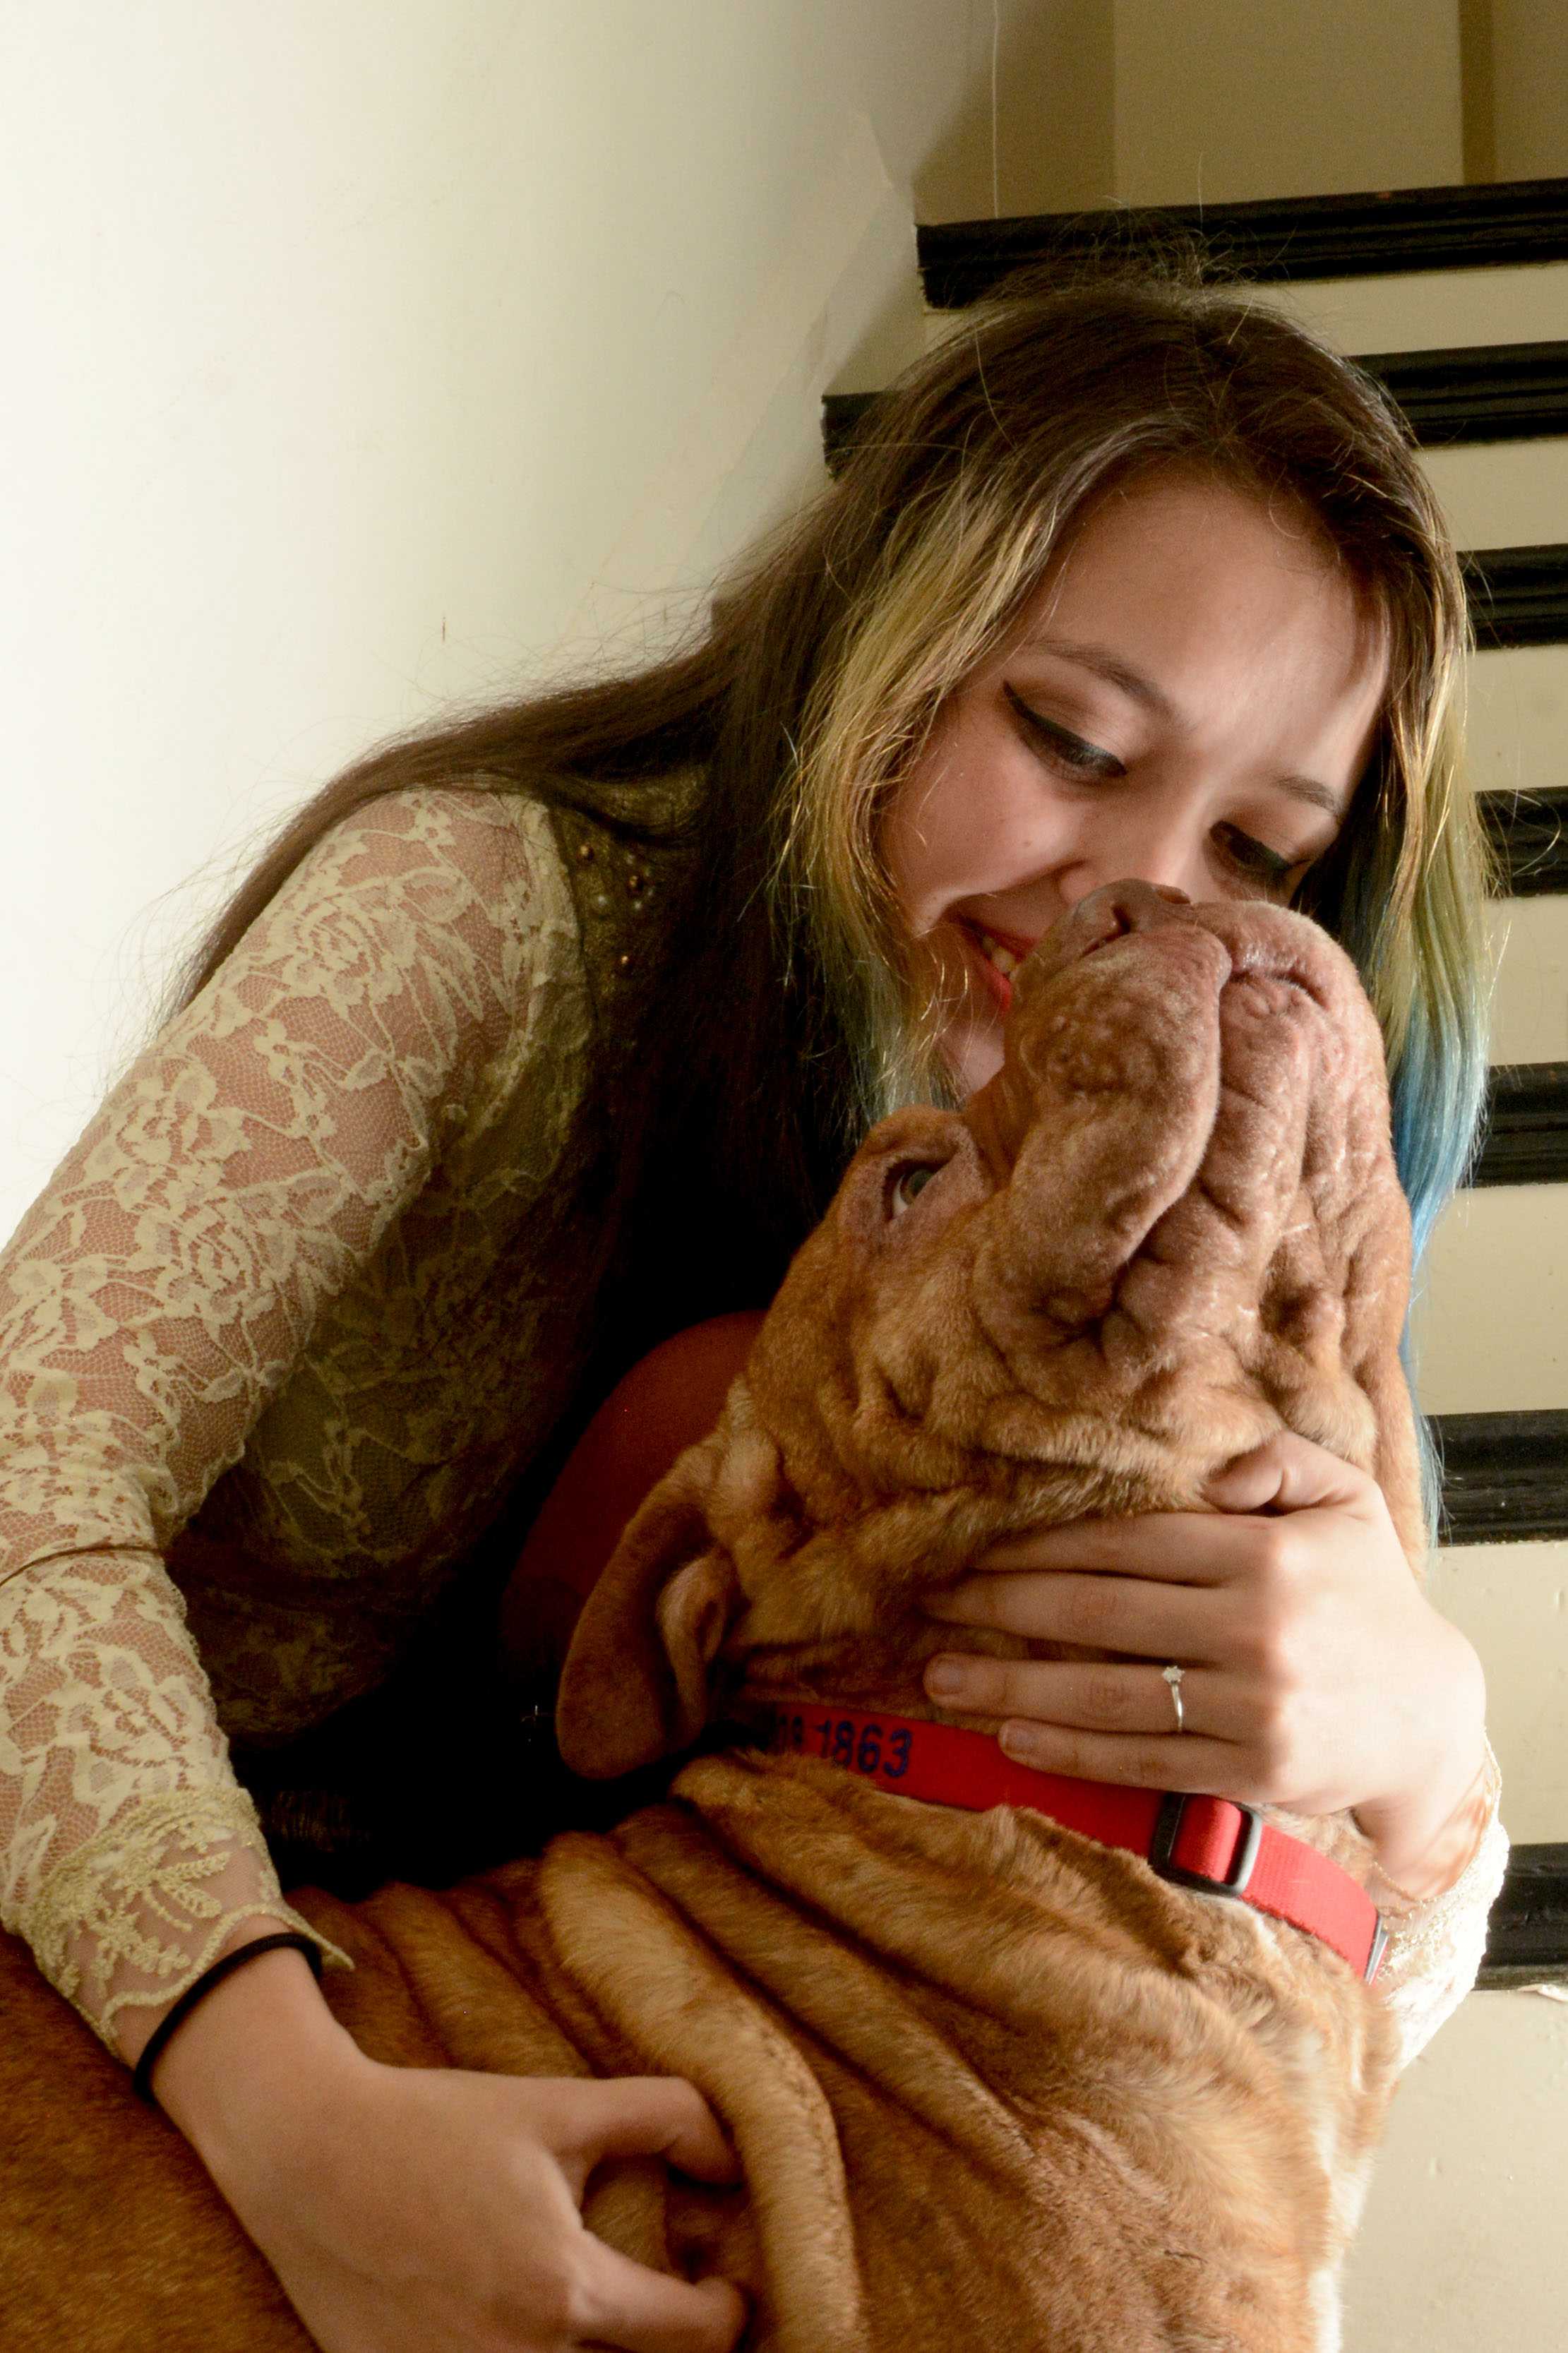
x,y
310,1291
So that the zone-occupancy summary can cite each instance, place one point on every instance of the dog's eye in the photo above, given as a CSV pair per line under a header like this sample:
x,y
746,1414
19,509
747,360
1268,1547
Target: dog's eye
x,y
907,1184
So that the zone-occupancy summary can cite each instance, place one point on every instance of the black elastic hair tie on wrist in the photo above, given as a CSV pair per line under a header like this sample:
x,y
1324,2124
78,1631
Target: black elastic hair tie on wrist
x,y
142,2080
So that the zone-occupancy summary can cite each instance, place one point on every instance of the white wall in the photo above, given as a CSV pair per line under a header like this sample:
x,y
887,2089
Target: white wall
x,y
367,356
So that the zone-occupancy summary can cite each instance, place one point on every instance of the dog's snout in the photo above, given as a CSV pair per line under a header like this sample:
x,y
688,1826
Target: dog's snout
x,y
1112,911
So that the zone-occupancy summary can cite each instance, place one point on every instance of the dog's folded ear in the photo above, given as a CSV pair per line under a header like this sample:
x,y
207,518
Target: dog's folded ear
x,y
634,1685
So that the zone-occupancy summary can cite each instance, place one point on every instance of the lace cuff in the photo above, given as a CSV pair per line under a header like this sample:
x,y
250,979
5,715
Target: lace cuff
x,y
1435,1947
131,1917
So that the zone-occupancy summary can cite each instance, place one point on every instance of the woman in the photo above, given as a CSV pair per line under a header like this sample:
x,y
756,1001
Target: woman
x,y
542,1036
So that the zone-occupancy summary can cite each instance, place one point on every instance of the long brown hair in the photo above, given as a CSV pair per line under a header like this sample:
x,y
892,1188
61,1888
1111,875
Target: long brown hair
x,y
832,646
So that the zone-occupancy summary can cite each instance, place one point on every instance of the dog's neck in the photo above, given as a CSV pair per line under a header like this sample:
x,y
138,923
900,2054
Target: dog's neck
x,y
885,1671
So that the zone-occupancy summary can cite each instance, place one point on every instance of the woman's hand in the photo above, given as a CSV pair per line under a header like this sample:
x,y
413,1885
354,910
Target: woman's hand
x,y
1317,1675
410,2210
432,2210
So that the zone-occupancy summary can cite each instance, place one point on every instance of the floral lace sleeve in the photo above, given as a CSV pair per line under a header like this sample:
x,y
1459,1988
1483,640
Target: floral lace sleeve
x,y
153,1302
1434,1948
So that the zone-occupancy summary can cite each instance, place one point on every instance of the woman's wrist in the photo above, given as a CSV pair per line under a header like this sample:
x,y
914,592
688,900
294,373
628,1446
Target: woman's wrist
x,y
253,2049
1427,1835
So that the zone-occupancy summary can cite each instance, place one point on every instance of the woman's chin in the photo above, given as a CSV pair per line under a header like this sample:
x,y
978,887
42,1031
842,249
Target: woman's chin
x,y
971,1049
974,997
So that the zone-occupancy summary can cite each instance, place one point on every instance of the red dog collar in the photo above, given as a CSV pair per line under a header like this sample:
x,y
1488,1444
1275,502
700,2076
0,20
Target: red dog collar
x,y
1215,1844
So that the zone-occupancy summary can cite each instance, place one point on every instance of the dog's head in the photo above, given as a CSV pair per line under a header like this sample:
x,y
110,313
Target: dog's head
x,y
1169,1227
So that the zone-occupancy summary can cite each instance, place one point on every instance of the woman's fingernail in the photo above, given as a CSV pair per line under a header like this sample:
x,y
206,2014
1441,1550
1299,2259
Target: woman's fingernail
x,y
944,1678
1016,1743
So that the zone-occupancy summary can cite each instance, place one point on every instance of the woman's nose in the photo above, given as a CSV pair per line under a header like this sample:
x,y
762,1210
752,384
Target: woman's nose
x,y
1170,858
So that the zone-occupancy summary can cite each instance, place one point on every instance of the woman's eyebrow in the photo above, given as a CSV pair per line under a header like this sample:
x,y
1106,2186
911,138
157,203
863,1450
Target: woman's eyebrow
x,y
1104,664
1307,788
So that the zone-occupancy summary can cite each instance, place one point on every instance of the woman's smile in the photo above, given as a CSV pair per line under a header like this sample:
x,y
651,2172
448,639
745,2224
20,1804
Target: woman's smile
x,y
1191,700
998,956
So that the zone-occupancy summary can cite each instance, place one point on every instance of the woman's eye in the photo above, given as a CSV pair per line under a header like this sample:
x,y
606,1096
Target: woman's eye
x,y
1068,750
1253,858
907,1184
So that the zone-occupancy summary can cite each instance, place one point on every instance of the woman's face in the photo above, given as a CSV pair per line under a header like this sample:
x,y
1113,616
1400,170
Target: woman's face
x,y
1192,698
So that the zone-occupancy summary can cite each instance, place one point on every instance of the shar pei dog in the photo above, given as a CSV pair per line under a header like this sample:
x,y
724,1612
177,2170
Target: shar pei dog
x,y
1001,2070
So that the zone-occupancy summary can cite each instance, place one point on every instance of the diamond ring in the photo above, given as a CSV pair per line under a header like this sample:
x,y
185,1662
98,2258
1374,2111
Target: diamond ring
x,y
1174,1677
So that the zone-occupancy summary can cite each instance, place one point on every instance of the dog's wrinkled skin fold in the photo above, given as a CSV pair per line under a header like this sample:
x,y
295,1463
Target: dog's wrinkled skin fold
x,y
992,2084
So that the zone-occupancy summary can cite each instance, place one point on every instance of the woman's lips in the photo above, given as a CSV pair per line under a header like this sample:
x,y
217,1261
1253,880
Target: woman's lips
x,y
1014,942
974,937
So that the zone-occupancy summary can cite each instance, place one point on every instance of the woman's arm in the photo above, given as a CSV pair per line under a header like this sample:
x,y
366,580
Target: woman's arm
x,y
410,2210
154,1301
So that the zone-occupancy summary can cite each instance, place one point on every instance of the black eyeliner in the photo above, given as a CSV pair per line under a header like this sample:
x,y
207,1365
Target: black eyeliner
x,y
1064,742
1268,866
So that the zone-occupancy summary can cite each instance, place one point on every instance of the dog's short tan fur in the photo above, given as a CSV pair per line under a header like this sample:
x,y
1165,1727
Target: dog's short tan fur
x,y
992,2084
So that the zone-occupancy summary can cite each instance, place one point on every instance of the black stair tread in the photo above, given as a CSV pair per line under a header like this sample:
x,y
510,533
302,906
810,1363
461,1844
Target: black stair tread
x,y
1519,596
1470,394
1376,233
1505,1476
1530,833
1477,392
1527,1935
1526,1139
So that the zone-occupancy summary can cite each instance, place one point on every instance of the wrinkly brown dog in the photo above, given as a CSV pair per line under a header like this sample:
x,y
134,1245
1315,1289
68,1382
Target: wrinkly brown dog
x,y
991,2082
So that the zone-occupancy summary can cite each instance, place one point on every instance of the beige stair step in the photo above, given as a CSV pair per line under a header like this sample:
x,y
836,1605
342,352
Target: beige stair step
x,y
1517,718
1529,1006
1502,493
1511,1601
1490,1328
1427,311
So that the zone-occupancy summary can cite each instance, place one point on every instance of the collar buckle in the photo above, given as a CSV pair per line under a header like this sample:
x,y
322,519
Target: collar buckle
x,y
1167,1829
